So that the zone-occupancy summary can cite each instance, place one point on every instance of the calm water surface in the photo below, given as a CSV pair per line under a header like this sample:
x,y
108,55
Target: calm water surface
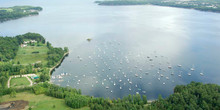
x,y
134,49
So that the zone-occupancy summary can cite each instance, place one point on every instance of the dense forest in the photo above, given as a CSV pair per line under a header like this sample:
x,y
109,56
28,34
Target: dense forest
x,y
8,48
17,12
194,96
203,5
54,54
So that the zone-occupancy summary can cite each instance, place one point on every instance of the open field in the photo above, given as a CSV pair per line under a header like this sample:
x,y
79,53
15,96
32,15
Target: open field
x,y
20,81
40,102
7,9
25,55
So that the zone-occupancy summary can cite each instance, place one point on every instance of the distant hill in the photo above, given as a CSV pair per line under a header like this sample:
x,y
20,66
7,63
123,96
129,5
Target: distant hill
x,y
203,5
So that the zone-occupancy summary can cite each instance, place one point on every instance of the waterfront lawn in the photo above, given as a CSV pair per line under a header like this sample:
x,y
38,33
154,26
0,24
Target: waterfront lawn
x,y
6,9
18,82
40,102
32,54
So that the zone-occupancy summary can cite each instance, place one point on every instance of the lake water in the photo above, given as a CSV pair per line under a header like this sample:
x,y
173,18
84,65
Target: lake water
x,y
134,49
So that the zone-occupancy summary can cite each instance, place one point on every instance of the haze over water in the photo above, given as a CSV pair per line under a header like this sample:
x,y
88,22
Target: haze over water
x,y
125,39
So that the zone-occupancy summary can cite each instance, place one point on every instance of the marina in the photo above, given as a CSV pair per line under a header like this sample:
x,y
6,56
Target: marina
x,y
156,48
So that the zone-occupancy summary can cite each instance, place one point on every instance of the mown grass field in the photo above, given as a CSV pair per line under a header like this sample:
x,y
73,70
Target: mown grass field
x,y
18,82
40,102
25,55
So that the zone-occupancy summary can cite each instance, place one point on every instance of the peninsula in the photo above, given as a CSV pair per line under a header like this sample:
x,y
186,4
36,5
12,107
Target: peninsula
x,y
10,13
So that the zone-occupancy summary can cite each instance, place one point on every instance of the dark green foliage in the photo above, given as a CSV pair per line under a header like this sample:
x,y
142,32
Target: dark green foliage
x,y
38,65
35,52
3,79
44,77
17,12
76,101
144,99
30,36
8,48
66,49
54,55
193,96
5,91
59,92
38,89
130,102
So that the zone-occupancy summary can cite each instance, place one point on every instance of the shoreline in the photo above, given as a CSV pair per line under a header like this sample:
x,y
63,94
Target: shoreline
x,y
58,64
105,3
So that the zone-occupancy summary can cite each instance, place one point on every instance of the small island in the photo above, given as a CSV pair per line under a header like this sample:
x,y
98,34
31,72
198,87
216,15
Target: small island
x,y
10,13
202,5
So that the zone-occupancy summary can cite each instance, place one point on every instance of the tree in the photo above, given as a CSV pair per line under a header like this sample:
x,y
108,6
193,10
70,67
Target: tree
x,y
66,49
13,94
144,99
44,78
3,81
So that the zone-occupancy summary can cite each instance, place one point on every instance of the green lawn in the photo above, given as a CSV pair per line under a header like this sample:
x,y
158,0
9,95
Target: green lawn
x,y
21,81
7,9
25,55
40,102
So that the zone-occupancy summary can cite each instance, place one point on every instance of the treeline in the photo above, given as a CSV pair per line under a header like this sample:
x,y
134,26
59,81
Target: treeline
x,y
203,5
10,68
8,48
17,12
74,99
194,96
55,54
122,2
30,36
130,102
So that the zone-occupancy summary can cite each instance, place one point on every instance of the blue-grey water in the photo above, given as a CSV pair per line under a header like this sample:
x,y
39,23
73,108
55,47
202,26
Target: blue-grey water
x,y
134,49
